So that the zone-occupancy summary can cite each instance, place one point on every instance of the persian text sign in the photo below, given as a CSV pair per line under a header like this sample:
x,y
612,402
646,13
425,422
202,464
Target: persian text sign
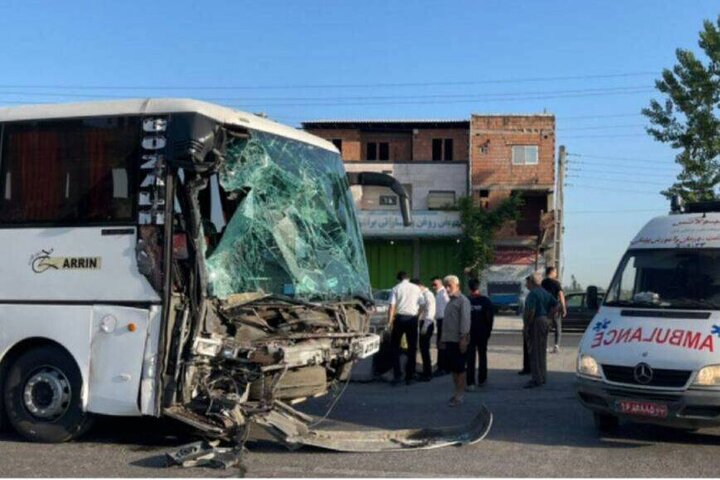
x,y
428,223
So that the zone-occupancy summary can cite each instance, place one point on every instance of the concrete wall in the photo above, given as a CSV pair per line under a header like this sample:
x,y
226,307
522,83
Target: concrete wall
x,y
423,177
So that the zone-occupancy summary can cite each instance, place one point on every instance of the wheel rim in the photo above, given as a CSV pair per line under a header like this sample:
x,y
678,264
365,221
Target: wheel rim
x,y
47,393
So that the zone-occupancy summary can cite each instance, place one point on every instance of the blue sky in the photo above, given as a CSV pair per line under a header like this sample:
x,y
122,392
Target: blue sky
x,y
320,59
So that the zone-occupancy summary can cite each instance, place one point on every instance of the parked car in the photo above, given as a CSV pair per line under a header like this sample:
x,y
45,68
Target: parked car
x,y
506,296
378,320
579,315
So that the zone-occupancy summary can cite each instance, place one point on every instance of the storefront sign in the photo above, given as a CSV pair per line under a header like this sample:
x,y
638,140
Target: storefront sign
x,y
426,223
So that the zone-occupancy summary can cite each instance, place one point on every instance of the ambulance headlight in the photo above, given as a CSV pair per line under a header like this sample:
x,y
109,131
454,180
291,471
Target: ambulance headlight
x,y
587,366
708,376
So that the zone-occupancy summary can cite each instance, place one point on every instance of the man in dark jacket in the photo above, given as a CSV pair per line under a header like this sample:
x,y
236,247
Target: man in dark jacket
x,y
481,324
554,288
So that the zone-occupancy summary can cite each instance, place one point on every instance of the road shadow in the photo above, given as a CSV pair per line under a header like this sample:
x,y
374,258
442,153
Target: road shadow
x,y
547,416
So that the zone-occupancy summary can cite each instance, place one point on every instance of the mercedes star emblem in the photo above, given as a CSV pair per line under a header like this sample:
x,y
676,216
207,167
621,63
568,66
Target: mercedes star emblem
x,y
643,373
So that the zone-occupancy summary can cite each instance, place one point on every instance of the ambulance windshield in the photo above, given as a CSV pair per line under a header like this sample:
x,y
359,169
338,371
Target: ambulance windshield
x,y
290,225
680,278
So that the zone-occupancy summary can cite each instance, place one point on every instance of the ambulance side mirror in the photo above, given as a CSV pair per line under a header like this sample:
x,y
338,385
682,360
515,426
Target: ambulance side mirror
x,y
591,298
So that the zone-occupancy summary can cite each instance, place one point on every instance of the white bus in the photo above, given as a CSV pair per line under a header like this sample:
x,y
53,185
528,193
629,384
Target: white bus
x,y
173,257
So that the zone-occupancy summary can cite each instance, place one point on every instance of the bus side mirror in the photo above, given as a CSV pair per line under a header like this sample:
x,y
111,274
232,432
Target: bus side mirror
x,y
376,179
591,298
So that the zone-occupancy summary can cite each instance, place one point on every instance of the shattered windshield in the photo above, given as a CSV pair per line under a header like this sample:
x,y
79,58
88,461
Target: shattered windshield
x,y
292,228
680,278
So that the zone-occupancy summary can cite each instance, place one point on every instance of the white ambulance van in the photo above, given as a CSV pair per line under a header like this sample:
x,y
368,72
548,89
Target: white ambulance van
x,y
652,352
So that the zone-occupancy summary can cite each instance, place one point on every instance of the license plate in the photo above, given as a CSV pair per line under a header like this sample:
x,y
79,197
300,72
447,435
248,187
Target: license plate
x,y
642,409
366,346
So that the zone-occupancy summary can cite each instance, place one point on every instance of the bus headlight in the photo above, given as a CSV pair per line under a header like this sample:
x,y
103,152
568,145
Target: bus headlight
x,y
587,366
708,376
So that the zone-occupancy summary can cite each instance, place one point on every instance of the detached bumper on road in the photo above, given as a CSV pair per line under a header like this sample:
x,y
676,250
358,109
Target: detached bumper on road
x,y
686,409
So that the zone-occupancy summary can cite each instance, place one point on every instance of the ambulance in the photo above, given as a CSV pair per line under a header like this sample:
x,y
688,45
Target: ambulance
x,y
652,352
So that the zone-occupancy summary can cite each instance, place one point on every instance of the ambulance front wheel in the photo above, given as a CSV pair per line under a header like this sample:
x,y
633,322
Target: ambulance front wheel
x,y
42,396
605,423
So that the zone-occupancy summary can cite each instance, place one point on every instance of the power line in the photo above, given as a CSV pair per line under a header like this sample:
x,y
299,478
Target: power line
x,y
468,99
660,166
322,86
618,190
619,180
365,97
608,157
624,160
625,173
612,115
390,100
602,127
610,135
586,212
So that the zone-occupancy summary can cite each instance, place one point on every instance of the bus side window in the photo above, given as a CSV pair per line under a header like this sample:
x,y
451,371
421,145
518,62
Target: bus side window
x,y
78,171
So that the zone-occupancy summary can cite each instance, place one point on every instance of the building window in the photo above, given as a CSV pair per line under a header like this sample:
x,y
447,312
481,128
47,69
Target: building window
x,y
525,155
484,198
440,199
448,150
378,151
437,149
371,151
388,200
384,151
338,143
69,171
442,149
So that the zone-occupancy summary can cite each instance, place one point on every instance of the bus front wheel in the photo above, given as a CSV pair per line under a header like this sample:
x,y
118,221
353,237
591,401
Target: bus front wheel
x,y
42,396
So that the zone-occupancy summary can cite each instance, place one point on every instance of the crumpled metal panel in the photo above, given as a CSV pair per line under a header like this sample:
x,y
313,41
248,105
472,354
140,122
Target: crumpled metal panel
x,y
295,232
295,430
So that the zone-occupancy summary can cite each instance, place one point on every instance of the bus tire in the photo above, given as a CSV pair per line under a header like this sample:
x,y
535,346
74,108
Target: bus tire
x,y
42,395
605,423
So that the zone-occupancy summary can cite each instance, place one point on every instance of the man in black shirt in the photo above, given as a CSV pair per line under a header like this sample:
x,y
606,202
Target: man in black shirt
x,y
554,288
481,324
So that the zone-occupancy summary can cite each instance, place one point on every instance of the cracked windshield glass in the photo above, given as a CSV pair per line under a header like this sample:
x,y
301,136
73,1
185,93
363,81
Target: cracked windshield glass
x,y
291,228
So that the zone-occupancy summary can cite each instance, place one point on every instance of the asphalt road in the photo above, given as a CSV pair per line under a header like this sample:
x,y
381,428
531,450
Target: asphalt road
x,y
540,432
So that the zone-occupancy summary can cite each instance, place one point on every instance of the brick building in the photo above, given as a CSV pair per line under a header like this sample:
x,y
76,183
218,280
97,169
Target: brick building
x,y
488,157
516,153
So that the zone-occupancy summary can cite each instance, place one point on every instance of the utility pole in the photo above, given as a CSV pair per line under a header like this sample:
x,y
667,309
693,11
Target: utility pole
x,y
559,207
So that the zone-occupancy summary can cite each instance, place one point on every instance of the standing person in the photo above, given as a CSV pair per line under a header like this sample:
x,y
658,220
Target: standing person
x,y
405,302
525,358
427,328
456,336
441,300
554,288
482,318
539,306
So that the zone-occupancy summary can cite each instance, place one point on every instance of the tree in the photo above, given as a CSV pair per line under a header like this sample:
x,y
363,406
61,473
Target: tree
x,y
688,119
479,226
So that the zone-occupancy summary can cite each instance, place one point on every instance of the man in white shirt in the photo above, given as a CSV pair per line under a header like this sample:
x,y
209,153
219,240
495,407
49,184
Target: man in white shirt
x,y
441,300
406,300
427,328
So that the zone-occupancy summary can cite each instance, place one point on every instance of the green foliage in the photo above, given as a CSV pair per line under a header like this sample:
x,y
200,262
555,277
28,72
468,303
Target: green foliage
x,y
688,119
479,228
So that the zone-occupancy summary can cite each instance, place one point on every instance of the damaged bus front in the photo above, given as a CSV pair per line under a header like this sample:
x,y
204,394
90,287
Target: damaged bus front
x,y
269,288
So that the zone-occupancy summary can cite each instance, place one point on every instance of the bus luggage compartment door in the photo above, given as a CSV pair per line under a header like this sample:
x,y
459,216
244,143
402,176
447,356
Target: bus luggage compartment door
x,y
116,358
